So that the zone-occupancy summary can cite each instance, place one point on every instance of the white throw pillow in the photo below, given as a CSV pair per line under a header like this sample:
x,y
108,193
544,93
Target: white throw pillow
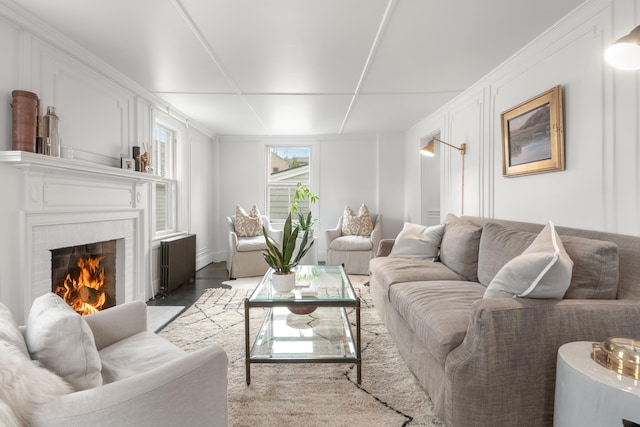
x,y
248,224
9,331
418,241
24,385
543,270
62,341
357,225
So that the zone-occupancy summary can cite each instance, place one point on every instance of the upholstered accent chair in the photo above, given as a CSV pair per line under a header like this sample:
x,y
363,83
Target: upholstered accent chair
x,y
352,250
244,253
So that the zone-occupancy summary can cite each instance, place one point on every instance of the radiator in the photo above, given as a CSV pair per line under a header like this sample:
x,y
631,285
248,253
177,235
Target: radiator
x,y
178,262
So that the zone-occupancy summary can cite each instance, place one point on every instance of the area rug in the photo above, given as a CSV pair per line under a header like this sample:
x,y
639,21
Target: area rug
x,y
306,394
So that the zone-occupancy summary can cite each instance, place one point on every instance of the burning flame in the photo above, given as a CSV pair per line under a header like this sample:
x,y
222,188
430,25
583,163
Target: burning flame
x,y
85,294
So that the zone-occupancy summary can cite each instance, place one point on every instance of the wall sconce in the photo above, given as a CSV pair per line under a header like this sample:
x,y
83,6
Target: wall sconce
x,y
624,53
428,151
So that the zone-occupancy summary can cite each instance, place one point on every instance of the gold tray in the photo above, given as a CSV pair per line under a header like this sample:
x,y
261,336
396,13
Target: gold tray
x,y
620,355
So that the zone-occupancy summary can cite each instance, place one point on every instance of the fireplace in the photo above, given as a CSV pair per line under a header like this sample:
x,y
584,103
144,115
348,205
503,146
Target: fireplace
x,y
85,276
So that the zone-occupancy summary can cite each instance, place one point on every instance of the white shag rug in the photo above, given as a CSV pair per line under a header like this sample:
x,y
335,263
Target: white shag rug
x,y
305,394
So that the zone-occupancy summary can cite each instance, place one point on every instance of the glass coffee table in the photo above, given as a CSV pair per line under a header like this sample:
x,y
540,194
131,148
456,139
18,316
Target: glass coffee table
x,y
320,333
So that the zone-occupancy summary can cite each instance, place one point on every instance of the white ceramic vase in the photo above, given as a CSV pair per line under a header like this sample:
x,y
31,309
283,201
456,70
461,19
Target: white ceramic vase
x,y
283,282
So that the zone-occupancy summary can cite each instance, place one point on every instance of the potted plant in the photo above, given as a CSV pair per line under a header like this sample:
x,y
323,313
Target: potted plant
x,y
282,259
301,194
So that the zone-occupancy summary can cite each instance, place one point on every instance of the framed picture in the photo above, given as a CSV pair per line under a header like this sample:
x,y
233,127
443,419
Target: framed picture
x,y
532,135
127,163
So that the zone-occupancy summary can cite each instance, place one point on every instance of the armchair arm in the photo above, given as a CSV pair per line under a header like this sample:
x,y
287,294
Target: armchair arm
x,y
513,342
385,246
189,391
116,323
333,233
376,234
275,235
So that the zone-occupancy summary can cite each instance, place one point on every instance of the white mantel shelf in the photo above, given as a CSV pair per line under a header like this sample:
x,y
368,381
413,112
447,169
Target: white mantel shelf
x,y
23,159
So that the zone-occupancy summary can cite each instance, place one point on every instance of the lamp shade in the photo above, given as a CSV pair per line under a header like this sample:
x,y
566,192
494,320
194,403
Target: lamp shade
x,y
625,52
428,149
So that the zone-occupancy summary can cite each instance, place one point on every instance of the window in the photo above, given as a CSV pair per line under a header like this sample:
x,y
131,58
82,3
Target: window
x,y
162,154
287,165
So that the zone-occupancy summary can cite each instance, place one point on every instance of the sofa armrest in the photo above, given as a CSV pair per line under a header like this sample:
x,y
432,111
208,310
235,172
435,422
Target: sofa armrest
x,y
188,391
385,246
376,234
116,323
333,233
274,234
511,343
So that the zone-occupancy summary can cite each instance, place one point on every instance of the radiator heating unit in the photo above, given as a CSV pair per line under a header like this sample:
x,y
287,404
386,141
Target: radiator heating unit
x,y
177,262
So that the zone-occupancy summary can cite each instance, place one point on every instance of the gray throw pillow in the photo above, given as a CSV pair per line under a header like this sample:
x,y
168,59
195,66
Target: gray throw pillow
x,y
543,270
418,241
459,248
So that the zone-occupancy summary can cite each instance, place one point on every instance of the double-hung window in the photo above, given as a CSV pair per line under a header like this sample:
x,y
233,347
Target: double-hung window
x,y
163,165
286,167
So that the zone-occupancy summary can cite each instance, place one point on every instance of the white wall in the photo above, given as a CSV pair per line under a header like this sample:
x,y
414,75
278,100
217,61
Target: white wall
x,y
600,188
348,170
102,115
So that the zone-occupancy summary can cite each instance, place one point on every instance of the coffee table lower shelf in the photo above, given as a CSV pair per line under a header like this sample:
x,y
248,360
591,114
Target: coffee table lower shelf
x,y
325,336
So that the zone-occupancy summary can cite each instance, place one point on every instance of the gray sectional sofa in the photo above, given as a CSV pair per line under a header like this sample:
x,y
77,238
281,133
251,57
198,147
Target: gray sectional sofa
x,y
491,361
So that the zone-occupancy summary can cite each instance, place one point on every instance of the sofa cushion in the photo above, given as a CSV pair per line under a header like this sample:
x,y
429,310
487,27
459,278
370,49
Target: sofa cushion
x,y
437,311
351,243
459,248
357,225
9,331
249,244
543,270
418,241
136,354
595,269
390,271
62,341
248,224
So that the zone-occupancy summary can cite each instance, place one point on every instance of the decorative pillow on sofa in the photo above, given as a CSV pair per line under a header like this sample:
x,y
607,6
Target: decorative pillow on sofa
x,y
595,262
357,225
248,224
459,248
23,385
62,341
418,241
543,270
9,331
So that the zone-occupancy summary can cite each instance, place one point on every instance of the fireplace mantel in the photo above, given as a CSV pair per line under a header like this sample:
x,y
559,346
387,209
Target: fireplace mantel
x,y
57,202
23,159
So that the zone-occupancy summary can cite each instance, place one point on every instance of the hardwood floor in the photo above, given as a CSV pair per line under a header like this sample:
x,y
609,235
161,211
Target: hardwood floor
x,y
210,276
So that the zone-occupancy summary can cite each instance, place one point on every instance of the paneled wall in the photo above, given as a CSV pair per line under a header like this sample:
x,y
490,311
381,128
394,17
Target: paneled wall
x,y
600,188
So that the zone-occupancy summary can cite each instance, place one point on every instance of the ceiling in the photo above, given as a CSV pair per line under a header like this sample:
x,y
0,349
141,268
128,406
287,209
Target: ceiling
x,y
302,67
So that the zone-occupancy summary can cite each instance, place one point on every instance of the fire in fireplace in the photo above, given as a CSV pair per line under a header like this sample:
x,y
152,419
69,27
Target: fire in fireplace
x,y
84,276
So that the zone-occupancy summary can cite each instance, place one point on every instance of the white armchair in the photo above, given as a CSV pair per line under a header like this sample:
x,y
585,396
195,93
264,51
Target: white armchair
x,y
354,252
244,254
146,380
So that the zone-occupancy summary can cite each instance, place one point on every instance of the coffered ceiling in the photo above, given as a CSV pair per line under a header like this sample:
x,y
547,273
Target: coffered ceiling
x,y
302,67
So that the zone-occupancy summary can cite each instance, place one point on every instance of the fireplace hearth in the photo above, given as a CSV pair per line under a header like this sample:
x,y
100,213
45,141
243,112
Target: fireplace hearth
x,y
85,276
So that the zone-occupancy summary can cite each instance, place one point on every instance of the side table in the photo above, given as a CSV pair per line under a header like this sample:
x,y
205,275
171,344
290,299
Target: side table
x,y
588,394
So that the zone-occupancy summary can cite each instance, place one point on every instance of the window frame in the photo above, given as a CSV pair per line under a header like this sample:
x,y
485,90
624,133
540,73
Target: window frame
x,y
169,181
291,185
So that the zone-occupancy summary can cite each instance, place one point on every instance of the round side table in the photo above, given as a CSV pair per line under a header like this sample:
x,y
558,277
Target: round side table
x,y
588,394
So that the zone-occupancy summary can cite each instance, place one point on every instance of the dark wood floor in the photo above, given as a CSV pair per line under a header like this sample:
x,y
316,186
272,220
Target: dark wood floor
x,y
210,276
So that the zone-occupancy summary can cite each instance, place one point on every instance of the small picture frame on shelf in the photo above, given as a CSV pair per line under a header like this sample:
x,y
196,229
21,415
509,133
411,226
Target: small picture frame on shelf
x,y
127,163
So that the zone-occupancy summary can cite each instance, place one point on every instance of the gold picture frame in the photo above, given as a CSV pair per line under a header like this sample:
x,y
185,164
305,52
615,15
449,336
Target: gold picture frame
x,y
532,135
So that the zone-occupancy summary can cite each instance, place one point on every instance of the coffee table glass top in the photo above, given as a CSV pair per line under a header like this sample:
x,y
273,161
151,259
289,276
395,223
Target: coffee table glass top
x,y
319,283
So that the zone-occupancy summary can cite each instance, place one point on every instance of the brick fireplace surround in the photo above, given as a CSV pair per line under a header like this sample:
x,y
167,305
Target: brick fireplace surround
x,y
72,202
